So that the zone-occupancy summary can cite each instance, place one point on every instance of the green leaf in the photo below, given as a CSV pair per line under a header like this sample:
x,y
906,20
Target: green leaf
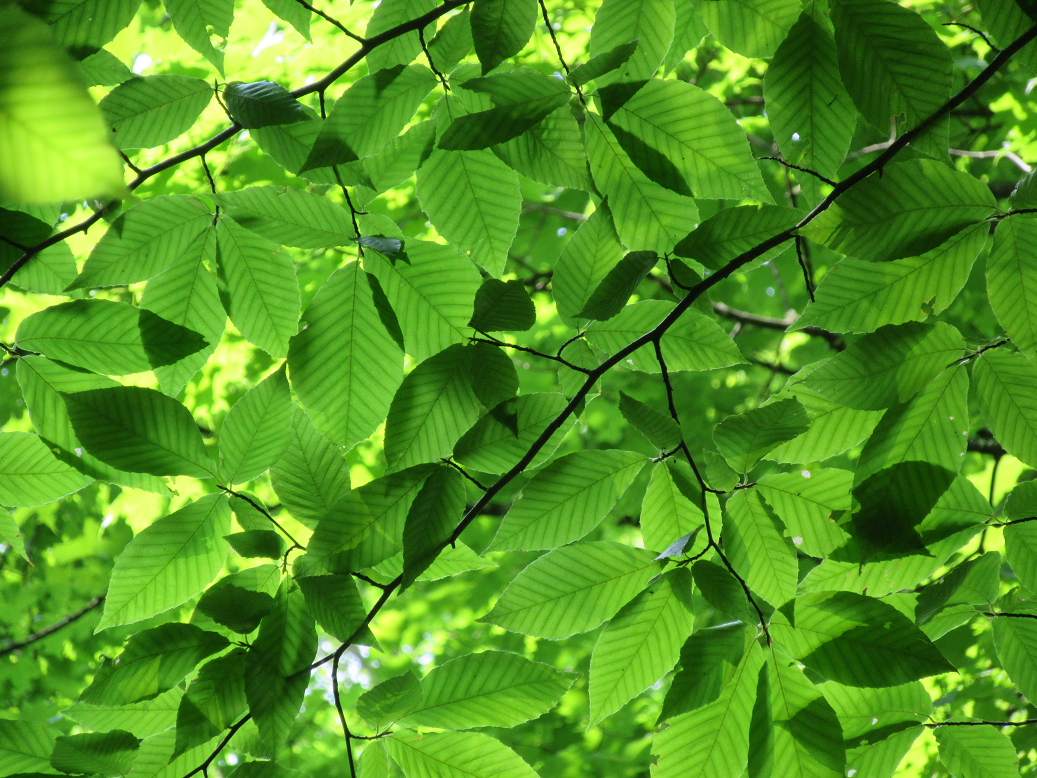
x,y
640,644
107,337
567,499
257,430
192,20
550,152
452,560
214,700
435,512
808,737
930,427
153,661
648,22
861,710
586,260
289,216
51,270
455,755
187,295
806,502
1005,384
672,506
433,408
345,364
501,307
694,342
473,200
263,543
371,113
1016,643
912,208
144,241
293,13
82,25
277,666
142,719
893,63
859,296
688,32
722,591
108,754
431,289
366,525
521,101
261,104
139,430
390,700
978,751
889,366
612,293
489,689
752,28
168,563
713,740
102,68
238,601
452,42
150,111
1021,538
810,110
745,438
699,136
648,217
573,589
732,231
31,475
403,49
602,63
859,641
660,429
155,758
334,602
708,660
1012,280
500,29
11,536
289,145
502,437
259,287
54,143
757,549
311,475
44,384
25,746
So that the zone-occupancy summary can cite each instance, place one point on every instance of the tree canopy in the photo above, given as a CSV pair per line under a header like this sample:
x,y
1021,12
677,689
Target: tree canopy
x,y
517,388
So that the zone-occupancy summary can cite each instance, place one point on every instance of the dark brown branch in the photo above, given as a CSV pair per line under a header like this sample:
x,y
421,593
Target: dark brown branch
x,y
204,766
341,714
46,631
533,351
934,724
264,511
558,48
973,29
806,170
769,322
463,472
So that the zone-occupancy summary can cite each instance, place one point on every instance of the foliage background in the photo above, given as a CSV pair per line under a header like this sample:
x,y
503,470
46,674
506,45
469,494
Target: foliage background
x,y
73,542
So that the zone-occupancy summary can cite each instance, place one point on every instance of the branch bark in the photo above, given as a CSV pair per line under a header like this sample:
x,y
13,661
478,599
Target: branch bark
x,y
58,625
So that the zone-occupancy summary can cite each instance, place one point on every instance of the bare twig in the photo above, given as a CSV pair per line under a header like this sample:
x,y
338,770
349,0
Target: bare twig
x,y
973,29
533,351
463,472
330,19
558,48
807,170
58,625
264,511
993,153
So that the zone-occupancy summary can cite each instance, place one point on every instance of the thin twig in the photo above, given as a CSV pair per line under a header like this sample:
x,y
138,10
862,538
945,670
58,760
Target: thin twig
x,y
803,264
208,174
977,352
527,350
558,48
129,162
807,170
204,766
934,724
973,29
462,471
341,714
993,153
60,624
431,64
264,511
769,322
367,580
330,19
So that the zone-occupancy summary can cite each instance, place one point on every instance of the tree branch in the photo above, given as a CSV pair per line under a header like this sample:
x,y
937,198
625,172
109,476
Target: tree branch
x,y
12,647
